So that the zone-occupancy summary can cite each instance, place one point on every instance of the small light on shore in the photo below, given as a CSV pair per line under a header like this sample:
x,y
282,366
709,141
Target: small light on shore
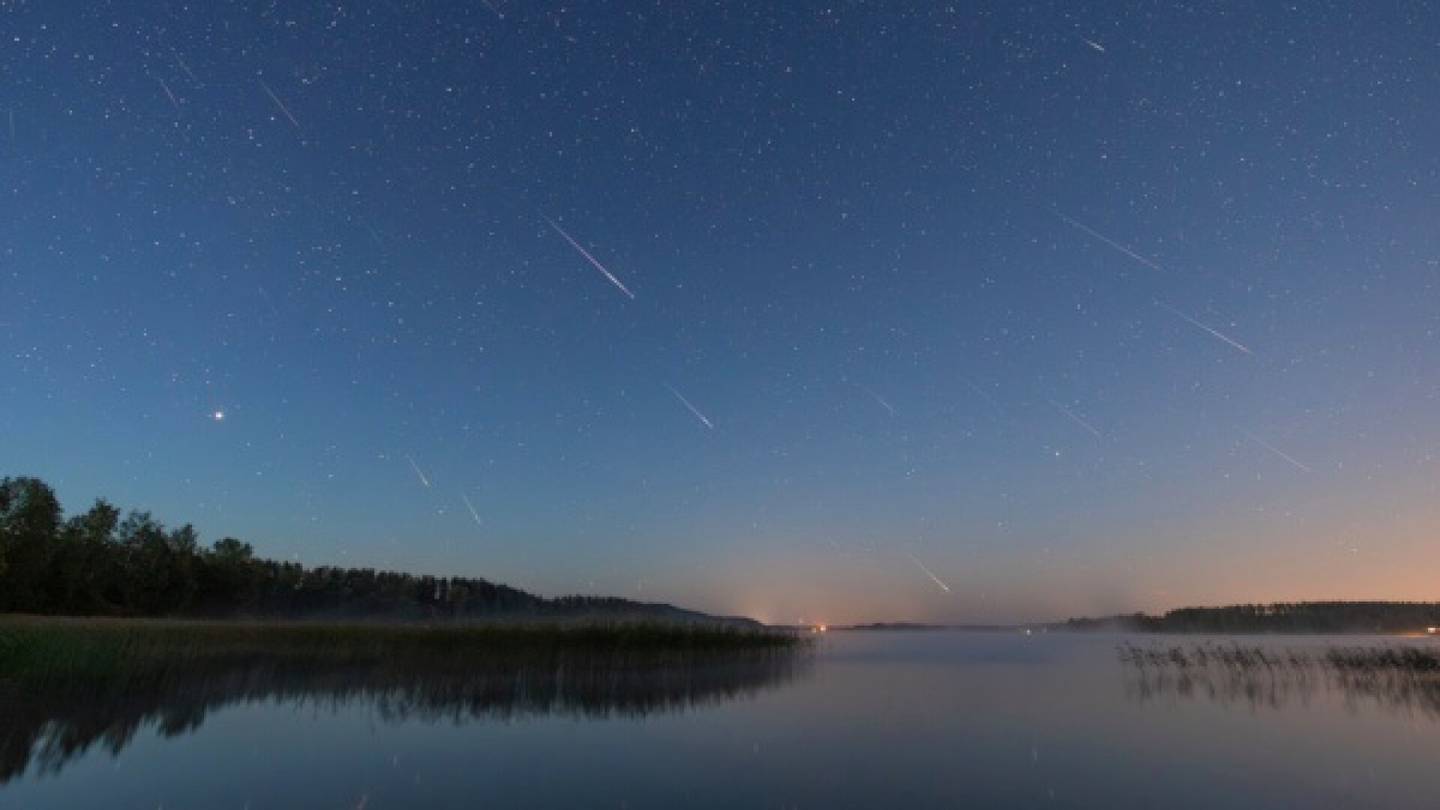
x,y
1432,630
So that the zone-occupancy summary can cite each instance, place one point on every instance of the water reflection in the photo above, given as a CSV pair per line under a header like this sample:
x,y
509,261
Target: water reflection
x,y
1368,678
48,725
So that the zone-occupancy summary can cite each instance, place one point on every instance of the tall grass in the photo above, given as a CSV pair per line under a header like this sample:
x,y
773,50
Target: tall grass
x,y
1234,657
68,684
32,647
1400,677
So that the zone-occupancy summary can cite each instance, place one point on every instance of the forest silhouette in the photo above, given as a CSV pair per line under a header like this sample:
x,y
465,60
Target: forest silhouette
x,y
100,563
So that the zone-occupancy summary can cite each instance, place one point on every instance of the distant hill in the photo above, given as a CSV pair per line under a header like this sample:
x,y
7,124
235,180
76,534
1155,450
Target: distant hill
x,y
97,564
1279,617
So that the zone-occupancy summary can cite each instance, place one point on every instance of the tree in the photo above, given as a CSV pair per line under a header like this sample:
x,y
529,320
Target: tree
x,y
29,524
183,547
83,573
227,577
145,563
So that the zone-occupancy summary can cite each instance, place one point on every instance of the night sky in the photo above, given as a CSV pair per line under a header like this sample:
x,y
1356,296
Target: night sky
x,y
847,311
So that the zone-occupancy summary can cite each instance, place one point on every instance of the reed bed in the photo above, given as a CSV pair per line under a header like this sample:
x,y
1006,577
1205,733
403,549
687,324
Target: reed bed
x,y
1406,659
67,685
40,647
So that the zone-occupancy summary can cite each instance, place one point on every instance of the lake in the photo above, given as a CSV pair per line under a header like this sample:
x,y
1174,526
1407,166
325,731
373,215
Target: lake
x,y
880,719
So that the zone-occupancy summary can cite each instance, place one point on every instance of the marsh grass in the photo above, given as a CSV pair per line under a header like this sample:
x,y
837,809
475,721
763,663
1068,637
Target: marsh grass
x,y
42,647
67,685
1401,677
1238,658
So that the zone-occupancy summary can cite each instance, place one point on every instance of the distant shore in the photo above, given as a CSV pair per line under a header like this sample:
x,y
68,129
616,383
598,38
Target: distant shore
x,y
1329,617
1413,619
921,626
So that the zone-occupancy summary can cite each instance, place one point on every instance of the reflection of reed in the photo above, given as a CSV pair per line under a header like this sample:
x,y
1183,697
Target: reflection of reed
x,y
48,725
1402,679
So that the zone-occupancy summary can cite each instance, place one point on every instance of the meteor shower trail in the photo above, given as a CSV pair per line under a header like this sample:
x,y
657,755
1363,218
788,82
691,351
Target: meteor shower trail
x,y
593,261
278,103
879,400
928,572
1198,325
1076,419
688,404
1276,451
420,475
471,507
1111,242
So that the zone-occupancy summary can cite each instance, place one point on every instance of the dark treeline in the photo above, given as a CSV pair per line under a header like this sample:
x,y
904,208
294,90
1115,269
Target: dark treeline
x,y
100,563
1280,617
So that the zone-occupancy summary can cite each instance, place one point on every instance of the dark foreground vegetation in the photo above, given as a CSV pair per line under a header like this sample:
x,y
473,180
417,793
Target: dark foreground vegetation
x,y
69,684
1238,658
1401,677
1280,617
98,563
34,649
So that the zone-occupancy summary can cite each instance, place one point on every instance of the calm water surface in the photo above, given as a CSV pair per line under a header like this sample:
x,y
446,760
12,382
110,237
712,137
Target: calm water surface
x,y
867,720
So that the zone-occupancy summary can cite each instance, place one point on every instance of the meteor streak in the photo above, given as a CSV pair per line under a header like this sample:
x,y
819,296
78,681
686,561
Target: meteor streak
x,y
1198,325
278,102
416,468
471,507
1111,242
594,261
163,86
879,399
1277,451
928,572
1076,419
983,394
180,60
1092,43
688,404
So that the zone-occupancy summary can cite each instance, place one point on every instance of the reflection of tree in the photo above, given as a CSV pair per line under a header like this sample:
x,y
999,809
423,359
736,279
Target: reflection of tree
x,y
50,724
1395,679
